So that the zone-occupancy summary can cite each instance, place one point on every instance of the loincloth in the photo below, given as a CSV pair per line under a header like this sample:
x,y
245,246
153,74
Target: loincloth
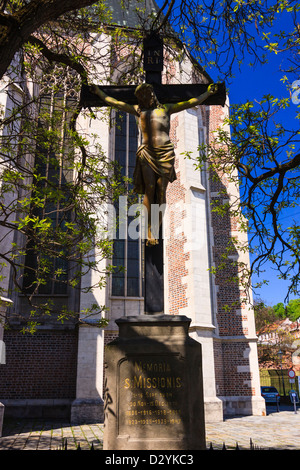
x,y
160,159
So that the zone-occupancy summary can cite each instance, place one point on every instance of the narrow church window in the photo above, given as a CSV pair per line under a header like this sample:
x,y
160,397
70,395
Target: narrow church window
x,y
52,168
127,258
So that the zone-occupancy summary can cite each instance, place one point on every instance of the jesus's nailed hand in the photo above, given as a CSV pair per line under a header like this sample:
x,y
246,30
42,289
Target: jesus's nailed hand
x,y
212,88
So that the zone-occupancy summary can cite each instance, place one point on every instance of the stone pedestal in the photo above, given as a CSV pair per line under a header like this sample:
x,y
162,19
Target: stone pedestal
x,y
153,386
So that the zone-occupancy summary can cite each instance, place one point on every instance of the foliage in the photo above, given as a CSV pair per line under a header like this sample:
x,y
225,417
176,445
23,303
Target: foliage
x,y
274,334
280,310
262,150
293,309
56,180
264,315
256,147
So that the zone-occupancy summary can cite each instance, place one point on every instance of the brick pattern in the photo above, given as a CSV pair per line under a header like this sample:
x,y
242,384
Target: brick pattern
x,y
235,382
39,366
231,312
109,336
175,245
219,369
229,357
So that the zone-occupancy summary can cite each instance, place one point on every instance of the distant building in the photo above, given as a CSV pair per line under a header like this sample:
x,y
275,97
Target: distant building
x,y
272,336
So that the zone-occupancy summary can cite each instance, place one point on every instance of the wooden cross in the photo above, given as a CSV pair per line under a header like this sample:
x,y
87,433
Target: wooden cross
x,y
153,66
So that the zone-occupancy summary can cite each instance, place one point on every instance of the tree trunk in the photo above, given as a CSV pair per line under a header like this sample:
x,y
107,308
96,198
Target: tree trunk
x,y
16,29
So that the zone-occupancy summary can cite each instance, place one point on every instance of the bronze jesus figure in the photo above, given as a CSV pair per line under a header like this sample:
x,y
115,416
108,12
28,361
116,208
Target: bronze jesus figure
x,y
155,157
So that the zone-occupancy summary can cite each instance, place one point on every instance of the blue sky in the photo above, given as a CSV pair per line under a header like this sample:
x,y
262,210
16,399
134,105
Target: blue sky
x,y
251,84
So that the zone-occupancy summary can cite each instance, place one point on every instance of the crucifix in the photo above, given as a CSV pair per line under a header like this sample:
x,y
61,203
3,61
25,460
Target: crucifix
x,y
152,104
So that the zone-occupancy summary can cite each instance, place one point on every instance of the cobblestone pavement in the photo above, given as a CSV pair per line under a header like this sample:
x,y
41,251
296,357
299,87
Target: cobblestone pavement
x,y
278,431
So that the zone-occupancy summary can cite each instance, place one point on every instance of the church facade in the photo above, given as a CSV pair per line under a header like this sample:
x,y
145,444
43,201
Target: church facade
x,y
60,370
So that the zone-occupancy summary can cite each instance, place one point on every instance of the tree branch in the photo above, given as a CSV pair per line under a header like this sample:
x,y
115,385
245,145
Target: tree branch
x,y
28,20
52,56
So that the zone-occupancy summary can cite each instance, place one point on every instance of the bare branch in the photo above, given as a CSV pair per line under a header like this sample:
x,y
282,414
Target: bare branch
x,y
60,58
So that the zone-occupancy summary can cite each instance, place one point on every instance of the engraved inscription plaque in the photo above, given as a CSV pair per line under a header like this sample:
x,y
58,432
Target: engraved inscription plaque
x,y
151,394
153,386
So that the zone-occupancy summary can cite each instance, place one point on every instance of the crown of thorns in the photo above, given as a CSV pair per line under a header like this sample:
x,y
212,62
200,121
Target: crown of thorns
x,y
141,87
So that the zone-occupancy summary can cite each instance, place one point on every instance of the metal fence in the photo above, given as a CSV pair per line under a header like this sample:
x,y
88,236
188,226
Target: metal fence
x,y
280,380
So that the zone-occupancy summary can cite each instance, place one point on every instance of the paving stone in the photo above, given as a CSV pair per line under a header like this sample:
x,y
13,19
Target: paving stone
x,y
280,431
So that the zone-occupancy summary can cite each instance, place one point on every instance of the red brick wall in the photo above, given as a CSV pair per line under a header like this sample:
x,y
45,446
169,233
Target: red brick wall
x,y
230,353
109,336
230,381
175,250
39,366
